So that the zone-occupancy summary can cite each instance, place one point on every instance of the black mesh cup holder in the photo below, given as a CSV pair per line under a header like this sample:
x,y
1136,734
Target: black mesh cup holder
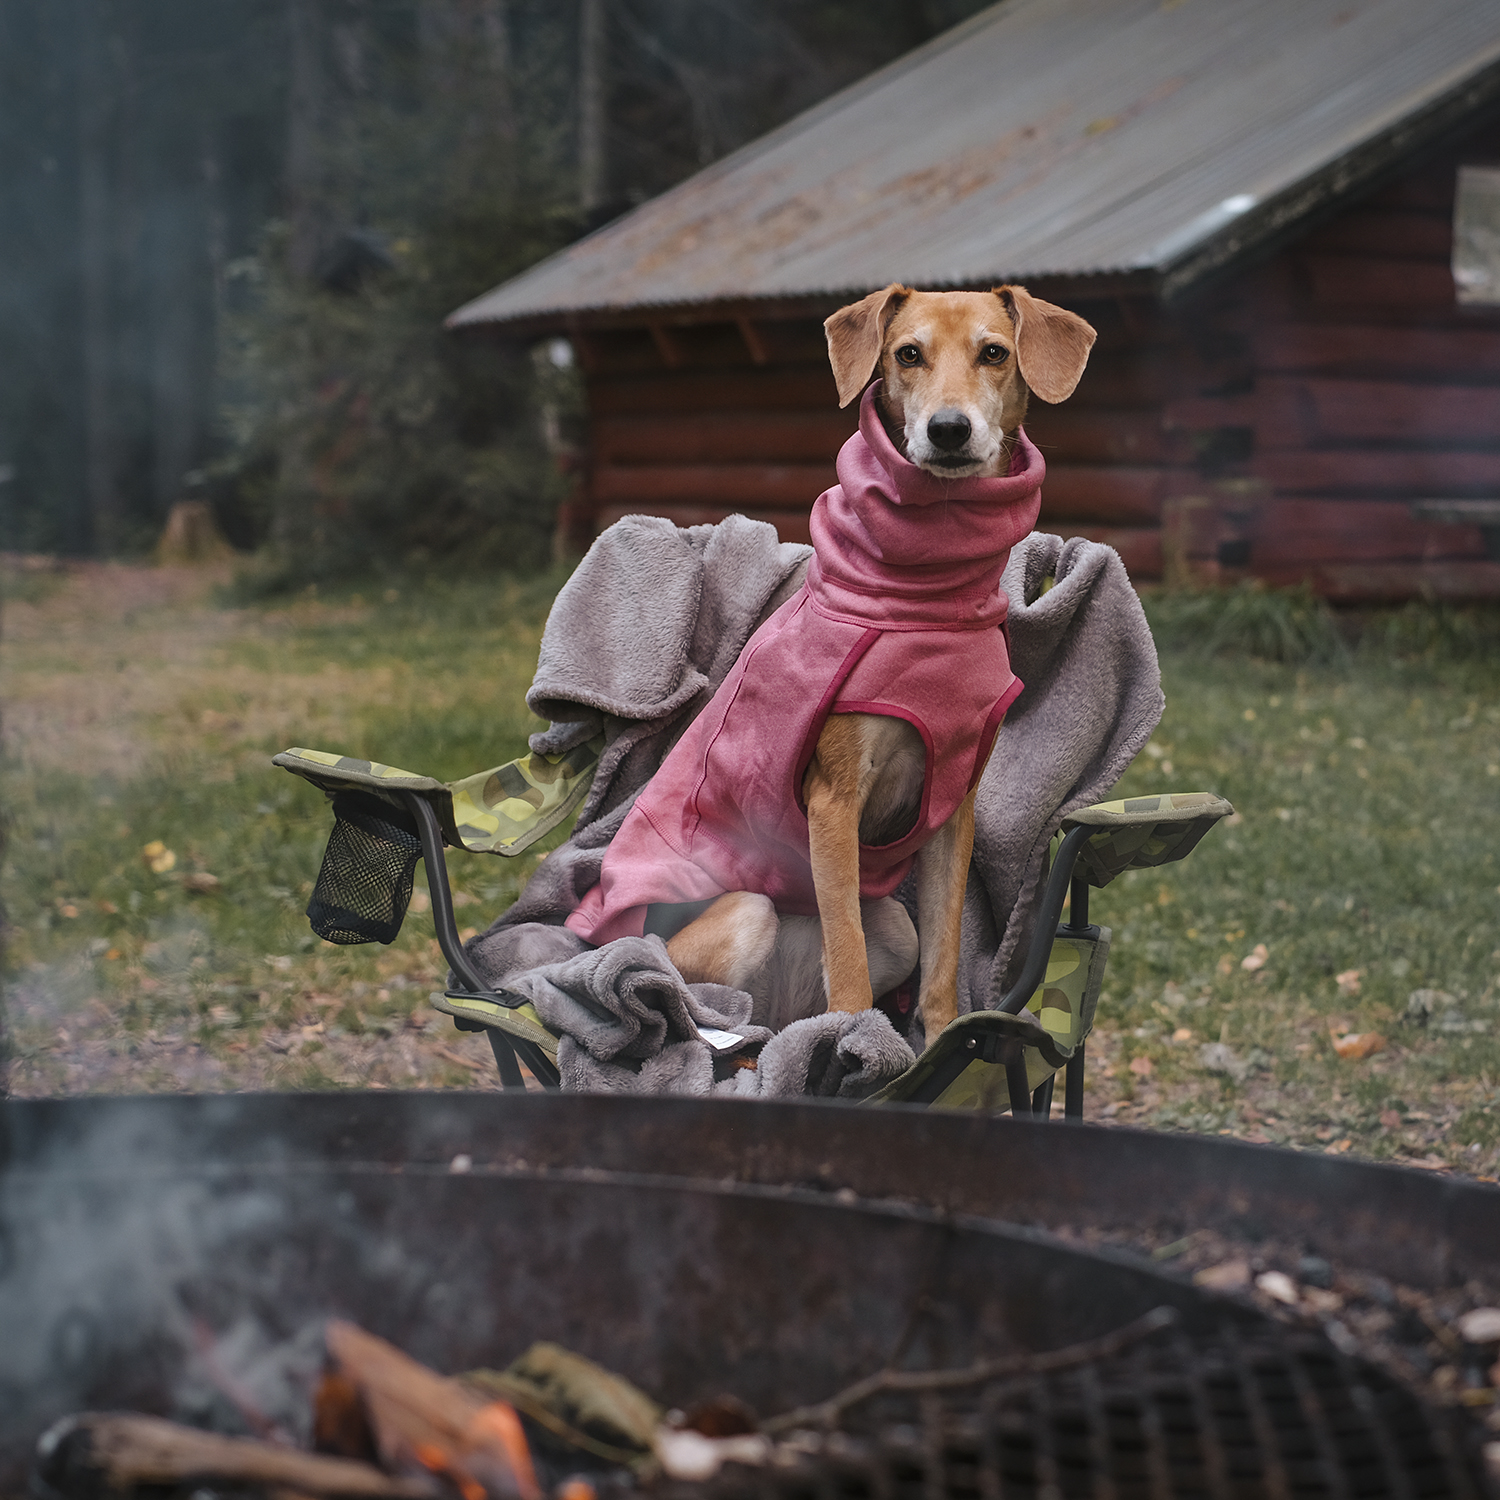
x,y
364,886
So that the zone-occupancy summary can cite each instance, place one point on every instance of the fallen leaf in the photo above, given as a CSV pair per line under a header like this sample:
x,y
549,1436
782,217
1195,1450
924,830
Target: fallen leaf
x,y
113,953
1358,1044
1390,1119
1279,1286
1255,958
200,882
1228,1276
1322,1301
1338,1147
159,859
67,909
1348,981
1226,966
1482,1326
1142,1067
1182,1034
108,908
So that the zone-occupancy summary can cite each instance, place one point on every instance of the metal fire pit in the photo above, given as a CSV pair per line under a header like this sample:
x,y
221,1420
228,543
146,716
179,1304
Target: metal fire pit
x,y
774,1251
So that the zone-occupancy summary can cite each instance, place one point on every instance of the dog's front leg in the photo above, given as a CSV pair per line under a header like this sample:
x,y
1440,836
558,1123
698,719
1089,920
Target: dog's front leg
x,y
832,791
942,874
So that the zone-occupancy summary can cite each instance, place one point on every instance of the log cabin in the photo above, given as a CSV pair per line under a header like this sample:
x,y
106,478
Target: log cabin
x,y
1282,218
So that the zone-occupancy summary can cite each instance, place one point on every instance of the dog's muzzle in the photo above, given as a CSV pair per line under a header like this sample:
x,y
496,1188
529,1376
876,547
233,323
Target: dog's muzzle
x,y
948,430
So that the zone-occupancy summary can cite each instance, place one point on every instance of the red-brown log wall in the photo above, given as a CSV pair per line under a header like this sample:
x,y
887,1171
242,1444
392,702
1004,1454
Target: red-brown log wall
x,y
1282,423
1369,388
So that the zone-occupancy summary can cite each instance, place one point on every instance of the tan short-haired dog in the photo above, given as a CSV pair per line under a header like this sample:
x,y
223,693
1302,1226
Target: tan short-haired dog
x,y
957,369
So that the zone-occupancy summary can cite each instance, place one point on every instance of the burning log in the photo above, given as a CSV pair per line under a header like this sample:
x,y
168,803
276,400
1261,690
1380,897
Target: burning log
x,y
422,1422
114,1453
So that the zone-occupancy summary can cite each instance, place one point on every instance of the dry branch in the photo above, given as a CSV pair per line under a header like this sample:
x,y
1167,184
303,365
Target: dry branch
x,y
826,1413
126,1451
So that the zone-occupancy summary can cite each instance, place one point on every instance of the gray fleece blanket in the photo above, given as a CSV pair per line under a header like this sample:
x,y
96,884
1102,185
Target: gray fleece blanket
x,y
637,642
629,1024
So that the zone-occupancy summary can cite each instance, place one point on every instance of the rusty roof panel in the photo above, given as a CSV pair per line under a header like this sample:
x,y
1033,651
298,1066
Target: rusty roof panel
x,y
1041,138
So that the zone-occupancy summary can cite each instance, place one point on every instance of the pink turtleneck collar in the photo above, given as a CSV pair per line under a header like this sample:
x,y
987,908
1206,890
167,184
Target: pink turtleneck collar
x,y
902,549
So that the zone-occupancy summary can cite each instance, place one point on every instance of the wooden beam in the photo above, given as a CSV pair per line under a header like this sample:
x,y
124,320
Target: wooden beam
x,y
1393,583
791,526
668,346
799,388
769,486
723,436
759,352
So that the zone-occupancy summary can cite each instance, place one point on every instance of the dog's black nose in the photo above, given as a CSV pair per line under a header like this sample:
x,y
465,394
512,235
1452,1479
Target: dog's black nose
x,y
948,429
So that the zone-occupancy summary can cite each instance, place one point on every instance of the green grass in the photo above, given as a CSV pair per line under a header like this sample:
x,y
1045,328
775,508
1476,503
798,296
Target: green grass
x,y
1367,844
1366,774
105,951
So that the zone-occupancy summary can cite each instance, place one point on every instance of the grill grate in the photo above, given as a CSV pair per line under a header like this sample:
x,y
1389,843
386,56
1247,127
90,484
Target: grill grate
x,y
1284,1417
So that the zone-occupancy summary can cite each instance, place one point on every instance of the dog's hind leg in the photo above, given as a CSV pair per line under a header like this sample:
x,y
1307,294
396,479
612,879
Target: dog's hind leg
x,y
729,943
792,987
890,943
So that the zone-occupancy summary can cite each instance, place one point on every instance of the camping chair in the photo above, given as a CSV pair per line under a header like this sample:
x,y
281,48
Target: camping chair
x,y
385,819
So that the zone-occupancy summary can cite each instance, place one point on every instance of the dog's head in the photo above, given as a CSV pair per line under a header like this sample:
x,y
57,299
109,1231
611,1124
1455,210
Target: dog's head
x,y
958,368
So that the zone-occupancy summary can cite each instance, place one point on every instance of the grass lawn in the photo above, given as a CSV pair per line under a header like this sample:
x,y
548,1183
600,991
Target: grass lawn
x,y
1360,879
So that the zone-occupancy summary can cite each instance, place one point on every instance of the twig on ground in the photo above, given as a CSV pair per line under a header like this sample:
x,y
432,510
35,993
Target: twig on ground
x,y
826,1413
461,1060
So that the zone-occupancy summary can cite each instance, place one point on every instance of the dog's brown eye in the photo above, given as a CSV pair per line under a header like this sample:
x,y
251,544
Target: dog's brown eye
x,y
908,354
994,354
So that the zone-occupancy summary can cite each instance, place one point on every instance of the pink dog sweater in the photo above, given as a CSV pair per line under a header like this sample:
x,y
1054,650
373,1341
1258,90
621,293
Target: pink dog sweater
x,y
902,613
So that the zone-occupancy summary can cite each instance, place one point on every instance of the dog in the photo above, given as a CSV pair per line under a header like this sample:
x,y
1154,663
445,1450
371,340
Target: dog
x,y
846,745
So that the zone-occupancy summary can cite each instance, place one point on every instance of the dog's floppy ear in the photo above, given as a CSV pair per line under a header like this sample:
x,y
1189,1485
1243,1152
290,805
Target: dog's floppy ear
x,y
855,334
1052,344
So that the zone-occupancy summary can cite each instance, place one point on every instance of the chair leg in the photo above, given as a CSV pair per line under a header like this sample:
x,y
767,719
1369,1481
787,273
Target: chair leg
x,y
539,1063
1015,1079
505,1060
1041,1100
1073,1086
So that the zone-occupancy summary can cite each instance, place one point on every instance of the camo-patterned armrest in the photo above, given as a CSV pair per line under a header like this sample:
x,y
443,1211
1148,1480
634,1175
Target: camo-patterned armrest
x,y
1137,833
516,1017
501,811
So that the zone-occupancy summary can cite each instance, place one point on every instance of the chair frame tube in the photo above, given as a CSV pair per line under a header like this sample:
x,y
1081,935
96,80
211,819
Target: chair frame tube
x,y
509,1051
1062,882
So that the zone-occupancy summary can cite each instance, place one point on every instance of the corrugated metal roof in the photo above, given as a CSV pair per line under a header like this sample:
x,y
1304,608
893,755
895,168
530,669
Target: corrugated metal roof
x,y
1042,138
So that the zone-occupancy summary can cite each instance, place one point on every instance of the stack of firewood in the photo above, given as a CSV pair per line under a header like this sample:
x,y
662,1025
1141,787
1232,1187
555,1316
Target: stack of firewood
x,y
384,1426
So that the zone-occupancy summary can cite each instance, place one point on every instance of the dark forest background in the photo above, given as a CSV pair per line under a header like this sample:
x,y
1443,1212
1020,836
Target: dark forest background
x,y
229,232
